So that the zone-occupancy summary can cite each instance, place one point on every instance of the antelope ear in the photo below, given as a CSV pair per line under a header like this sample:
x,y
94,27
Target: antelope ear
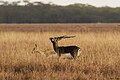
x,y
51,39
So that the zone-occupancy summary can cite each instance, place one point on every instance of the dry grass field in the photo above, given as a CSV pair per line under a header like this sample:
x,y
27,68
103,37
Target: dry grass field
x,y
99,60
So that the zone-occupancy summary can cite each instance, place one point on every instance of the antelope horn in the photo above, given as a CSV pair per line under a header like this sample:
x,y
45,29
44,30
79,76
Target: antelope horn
x,y
69,36
63,37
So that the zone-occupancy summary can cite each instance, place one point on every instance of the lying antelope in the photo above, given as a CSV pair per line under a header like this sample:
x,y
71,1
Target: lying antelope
x,y
73,50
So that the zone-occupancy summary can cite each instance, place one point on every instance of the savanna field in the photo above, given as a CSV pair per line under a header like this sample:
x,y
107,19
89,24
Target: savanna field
x,y
99,59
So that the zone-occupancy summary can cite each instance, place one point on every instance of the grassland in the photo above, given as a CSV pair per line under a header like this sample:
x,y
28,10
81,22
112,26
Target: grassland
x,y
99,60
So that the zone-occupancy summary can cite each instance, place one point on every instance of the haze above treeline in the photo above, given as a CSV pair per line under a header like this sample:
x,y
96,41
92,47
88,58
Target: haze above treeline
x,y
38,12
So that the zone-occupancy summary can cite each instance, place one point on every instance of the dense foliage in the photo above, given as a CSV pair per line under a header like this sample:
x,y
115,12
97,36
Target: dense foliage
x,y
50,13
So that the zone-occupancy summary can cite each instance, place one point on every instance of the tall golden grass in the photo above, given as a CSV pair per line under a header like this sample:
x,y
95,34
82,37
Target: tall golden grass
x,y
99,60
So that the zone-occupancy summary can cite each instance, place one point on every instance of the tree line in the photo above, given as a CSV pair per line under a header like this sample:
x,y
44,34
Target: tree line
x,y
39,12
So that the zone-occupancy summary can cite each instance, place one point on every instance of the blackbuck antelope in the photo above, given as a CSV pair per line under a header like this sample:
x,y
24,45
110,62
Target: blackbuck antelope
x,y
73,50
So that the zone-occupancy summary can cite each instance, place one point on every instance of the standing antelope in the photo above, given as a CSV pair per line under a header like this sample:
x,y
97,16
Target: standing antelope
x,y
73,50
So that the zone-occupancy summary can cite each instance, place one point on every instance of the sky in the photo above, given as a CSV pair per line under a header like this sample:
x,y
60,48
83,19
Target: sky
x,y
98,3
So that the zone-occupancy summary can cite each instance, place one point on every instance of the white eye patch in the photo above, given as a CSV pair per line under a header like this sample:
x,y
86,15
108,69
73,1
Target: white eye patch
x,y
52,40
